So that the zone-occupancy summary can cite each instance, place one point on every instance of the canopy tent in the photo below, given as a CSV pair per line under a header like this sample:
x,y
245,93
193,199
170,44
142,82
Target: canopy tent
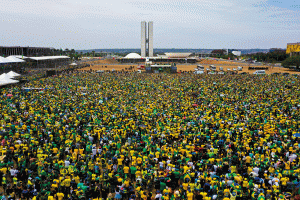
x,y
19,56
8,82
13,74
5,76
73,64
14,59
49,58
5,79
4,60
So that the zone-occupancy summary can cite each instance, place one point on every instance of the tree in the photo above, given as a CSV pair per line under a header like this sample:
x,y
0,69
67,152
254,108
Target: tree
x,y
274,56
219,51
291,61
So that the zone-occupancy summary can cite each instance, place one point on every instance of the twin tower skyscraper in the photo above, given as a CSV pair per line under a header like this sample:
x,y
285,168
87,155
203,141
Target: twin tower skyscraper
x,y
147,43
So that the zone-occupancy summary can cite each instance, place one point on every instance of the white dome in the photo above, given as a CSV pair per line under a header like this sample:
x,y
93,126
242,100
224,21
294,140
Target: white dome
x,y
133,55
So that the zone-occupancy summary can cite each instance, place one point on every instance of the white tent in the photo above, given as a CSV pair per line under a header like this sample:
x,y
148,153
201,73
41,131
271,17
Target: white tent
x,y
19,56
13,74
4,60
49,57
5,79
73,64
15,60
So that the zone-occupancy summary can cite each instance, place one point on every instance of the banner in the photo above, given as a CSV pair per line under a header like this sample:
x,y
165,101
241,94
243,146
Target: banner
x,y
292,48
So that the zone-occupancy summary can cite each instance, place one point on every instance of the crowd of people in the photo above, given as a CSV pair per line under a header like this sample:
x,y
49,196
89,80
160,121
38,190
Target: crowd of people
x,y
150,136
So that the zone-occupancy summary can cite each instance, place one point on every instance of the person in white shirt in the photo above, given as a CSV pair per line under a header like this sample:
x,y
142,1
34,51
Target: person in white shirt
x,y
91,138
158,195
19,141
13,172
67,163
94,150
255,170
161,165
292,157
275,181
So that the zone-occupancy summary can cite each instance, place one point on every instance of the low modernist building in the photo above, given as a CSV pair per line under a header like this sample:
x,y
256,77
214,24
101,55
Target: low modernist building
x,y
167,58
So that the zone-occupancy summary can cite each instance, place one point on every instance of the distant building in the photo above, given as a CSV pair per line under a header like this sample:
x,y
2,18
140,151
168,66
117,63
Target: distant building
x,y
237,53
234,52
167,58
146,43
276,50
219,51
25,51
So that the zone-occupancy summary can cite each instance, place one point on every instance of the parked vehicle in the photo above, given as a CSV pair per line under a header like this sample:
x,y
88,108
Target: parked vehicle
x,y
258,72
200,67
199,72
213,68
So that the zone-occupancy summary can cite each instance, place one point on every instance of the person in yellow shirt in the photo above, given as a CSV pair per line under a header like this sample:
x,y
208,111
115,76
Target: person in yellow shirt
x,y
126,170
157,154
55,150
190,195
166,196
50,197
248,160
81,151
185,186
143,196
139,160
120,161
67,183
77,179
54,185
60,195
126,183
185,168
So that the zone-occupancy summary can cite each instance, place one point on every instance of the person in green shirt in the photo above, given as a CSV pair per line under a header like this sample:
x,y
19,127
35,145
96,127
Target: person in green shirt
x,y
163,185
132,172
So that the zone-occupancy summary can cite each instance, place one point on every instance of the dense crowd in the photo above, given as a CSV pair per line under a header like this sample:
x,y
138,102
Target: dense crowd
x,y
151,136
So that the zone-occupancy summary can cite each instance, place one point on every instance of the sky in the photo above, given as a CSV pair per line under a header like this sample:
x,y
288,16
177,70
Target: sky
x,y
199,24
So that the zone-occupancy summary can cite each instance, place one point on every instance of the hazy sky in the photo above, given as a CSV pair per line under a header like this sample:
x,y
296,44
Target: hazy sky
x,y
94,24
